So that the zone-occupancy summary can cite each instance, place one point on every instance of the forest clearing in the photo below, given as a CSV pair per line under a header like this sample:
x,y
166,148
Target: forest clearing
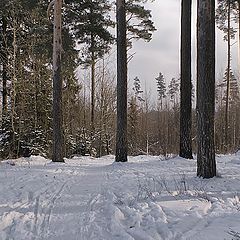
x,y
148,198
90,152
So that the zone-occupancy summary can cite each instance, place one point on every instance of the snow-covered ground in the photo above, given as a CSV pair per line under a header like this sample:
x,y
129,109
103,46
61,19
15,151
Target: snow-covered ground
x,y
147,198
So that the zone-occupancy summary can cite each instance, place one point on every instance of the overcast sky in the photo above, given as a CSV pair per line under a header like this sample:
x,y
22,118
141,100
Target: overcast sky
x,y
162,53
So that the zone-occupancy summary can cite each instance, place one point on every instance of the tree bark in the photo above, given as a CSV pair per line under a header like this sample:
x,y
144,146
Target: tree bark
x,y
57,86
4,71
121,138
186,84
239,36
93,63
226,135
13,90
206,164
92,94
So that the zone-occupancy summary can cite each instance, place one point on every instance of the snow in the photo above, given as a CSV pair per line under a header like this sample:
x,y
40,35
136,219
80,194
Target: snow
x,y
147,198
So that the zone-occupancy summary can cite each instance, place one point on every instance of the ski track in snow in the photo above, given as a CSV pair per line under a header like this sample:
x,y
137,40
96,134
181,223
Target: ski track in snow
x,y
147,198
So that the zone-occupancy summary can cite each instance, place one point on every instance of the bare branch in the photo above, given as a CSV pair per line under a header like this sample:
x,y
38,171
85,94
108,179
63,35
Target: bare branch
x,y
49,9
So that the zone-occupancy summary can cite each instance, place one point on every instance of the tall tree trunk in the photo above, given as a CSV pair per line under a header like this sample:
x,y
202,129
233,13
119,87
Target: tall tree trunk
x,y
13,91
102,112
4,71
121,138
93,62
206,164
57,86
92,94
84,109
226,135
186,84
239,36
146,123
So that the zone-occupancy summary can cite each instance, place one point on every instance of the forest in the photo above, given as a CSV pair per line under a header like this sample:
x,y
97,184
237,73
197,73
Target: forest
x,y
90,152
89,116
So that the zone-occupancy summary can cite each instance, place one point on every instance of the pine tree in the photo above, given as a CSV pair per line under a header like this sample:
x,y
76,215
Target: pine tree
x,y
173,91
28,125
90,21
186,84
121,138
161,88
234,90
206,164
134,118
13,43
139,23
161,115
137,89
57,85
133,115
233,97
223,19
3,61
